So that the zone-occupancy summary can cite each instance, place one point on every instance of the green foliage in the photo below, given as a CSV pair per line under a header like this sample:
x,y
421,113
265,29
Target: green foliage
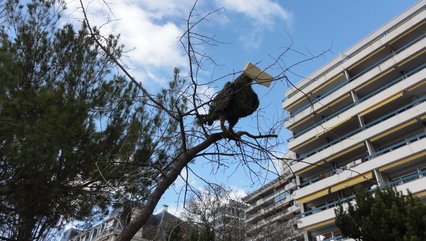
x,y
384,214
74,137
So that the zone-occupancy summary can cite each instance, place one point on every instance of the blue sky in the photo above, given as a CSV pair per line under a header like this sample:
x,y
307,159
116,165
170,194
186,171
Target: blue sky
x,y
251,30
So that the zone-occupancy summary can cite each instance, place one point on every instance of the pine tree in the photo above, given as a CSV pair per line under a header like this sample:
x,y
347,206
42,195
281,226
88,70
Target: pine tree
x,y
74,137
384,214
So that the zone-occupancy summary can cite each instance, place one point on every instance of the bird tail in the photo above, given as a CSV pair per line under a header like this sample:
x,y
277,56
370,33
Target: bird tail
x,y
204,119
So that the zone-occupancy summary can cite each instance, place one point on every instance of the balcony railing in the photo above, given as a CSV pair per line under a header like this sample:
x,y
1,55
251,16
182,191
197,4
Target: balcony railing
x,y
335,203
397,145
358,101
278,202
358,74
276,205
381,119
334,238
320,177
403,180
357,50
367,158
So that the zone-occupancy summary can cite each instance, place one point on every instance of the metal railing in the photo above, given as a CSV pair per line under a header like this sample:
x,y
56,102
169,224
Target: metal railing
x,y
334,238
276,203
357,75
309,182
397,145
369,157
316,179
387,31
412,72
351,197
403,180
381,119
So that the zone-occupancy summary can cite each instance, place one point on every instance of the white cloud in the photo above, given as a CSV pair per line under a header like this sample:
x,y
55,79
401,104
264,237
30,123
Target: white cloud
x,y
146,27
152,28
263,12
164,8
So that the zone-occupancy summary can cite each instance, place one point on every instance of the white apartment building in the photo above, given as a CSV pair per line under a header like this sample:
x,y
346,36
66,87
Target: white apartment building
x,y
228,221
271,212
360,119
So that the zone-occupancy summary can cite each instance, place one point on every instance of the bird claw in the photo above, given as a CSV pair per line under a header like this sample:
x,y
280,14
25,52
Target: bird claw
x,y
230,134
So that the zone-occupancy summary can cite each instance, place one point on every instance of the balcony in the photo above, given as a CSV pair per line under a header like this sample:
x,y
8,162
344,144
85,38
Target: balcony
x,y
368,81
346,103
391,155
360,52
321,96
278,203
360,129
389,123
326,212
286,214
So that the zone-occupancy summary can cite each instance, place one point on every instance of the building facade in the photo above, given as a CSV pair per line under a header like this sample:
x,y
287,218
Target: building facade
x,y
228,223
271,212
156,228
360,119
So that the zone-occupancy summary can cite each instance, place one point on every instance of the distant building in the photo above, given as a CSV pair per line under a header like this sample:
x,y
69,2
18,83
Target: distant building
x,y
271,213
229,221
155,229
360,119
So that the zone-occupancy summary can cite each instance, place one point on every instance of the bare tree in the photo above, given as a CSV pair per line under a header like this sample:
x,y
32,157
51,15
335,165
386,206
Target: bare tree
x,y
217,209
285,230
183,106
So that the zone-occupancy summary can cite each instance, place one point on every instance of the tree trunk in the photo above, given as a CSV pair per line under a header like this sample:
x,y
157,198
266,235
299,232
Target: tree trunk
x,y
25,229
132,228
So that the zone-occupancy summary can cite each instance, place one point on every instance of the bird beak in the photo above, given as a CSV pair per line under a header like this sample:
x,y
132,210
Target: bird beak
x,y
261,77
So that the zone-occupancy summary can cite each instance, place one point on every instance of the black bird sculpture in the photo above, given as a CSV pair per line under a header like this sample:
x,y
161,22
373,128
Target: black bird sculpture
x,y
237,99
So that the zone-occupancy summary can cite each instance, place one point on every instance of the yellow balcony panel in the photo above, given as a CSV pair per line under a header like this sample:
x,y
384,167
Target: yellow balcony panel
x,y
417,86
382,103
375,78
344,152
305,96
333,103
407,32
361,178
319,224
313,196
406,20
304,143
393,130
300,122
412,57
327,83
403,161
366,58
332,127
364,47
312,165
420,194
